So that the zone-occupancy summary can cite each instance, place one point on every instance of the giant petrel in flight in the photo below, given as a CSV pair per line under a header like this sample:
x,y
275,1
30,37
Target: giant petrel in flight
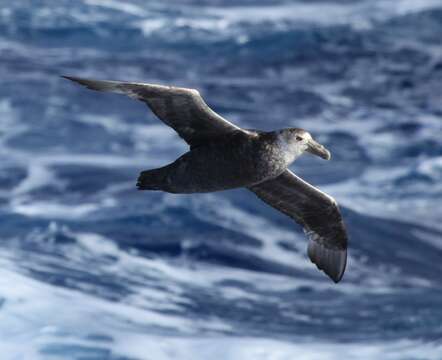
x,y
224,156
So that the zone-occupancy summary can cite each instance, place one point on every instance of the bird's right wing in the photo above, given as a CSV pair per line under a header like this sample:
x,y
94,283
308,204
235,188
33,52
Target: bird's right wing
x,y
319,215
182,109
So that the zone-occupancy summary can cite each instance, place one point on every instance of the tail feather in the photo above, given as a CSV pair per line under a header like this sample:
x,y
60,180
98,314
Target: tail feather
x,y
151,180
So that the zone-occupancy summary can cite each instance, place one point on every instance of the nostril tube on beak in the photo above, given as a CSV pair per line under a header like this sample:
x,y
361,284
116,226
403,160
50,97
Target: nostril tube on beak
x,y
317,149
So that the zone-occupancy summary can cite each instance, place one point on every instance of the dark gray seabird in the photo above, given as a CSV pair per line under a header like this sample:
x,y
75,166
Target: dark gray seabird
x,y
223,156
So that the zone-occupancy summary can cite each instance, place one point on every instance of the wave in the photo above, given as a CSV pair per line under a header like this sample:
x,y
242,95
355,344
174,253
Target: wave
x,y
92,268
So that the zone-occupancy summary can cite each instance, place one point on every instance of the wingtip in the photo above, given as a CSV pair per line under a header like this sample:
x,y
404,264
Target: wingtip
x,y
97,85
67,77
73,78
331,261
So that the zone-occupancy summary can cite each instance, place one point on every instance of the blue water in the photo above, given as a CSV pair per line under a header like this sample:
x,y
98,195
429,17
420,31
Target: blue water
x,y
90,268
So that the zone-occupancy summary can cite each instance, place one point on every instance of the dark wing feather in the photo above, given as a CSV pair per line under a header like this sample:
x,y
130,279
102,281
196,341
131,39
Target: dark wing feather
x,y
319,215
182,109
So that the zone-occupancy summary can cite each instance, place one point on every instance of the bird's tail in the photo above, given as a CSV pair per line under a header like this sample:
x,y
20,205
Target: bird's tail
x,y
154,179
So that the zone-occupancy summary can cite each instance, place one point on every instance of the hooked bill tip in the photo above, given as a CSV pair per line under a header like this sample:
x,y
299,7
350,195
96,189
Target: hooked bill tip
x,y
317,149
327,155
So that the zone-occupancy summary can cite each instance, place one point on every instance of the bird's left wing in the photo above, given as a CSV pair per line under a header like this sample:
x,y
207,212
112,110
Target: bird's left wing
x,y
319,215
182,109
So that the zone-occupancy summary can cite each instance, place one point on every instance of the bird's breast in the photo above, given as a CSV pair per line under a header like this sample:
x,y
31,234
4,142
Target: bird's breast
x,y
271,161
235,161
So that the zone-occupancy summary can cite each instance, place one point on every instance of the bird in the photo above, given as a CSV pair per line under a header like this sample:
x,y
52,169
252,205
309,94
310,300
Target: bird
x,y
225,156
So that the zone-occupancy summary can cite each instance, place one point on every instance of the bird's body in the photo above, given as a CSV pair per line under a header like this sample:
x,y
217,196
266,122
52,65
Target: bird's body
x,y
223,156
237,159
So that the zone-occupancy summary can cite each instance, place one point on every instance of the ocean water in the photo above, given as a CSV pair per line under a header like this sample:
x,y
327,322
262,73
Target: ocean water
x,y
92,269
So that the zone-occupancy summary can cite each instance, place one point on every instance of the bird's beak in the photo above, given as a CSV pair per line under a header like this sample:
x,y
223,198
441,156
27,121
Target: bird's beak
x,y
316,148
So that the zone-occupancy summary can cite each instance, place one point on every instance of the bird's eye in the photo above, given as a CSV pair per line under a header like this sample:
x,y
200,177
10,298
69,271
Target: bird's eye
x,y
299,138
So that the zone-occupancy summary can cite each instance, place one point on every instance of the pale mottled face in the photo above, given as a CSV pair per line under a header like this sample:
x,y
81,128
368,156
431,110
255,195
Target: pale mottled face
x,y
299,140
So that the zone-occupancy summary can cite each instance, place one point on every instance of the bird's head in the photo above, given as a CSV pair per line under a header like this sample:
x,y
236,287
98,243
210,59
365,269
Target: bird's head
x,y
299,140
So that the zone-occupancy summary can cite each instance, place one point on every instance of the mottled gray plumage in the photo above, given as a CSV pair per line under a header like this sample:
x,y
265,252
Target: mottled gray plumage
x,y
223,156
316,212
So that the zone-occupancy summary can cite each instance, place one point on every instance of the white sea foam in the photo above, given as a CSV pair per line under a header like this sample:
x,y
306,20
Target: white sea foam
x,y
28,323
136,313
431,167
27,315
38,300
123,6
10,125
266,349
52,210
217,210
360,15
329,14
153,137
150,25
402,7
38,176
31,325
374,193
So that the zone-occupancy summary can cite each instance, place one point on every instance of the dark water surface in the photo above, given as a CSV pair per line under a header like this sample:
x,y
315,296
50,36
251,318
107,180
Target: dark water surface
x,y
92,269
